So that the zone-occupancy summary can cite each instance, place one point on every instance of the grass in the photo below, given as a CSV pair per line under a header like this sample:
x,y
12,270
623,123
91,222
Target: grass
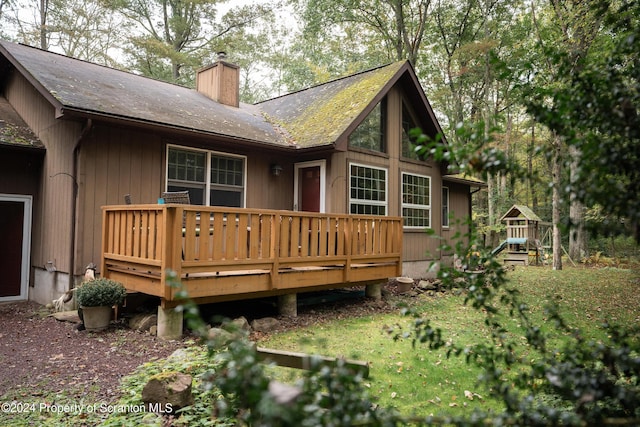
x,y
423,382
416,380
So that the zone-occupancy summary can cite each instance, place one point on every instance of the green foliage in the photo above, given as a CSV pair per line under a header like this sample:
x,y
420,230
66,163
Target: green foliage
x,y
593,107
100,292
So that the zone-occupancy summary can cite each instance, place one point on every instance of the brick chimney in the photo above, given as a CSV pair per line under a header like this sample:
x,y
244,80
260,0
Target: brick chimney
x,y
220,81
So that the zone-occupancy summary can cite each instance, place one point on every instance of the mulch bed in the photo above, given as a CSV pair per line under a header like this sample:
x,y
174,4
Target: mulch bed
x,y
40,355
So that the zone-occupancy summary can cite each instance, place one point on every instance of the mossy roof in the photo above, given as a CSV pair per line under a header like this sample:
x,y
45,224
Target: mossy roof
x,y
315,117
13,130
321,114
521,210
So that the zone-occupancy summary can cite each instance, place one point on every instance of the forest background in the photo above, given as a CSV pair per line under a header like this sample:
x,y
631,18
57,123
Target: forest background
x,y
487,63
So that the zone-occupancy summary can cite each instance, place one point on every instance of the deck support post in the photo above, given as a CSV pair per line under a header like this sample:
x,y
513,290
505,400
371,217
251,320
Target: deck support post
x,y
288,305
169,323
373,291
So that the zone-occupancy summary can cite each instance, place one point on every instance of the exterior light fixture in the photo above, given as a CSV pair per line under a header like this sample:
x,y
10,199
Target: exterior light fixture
x,y
276,169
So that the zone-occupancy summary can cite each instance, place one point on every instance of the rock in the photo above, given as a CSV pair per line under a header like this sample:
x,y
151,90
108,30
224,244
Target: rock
x,y
67,316
143,321
427,285
179,354
283,394
168,391
220,337
266,324
239,324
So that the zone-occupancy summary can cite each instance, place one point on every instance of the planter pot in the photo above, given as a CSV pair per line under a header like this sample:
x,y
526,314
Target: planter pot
x,y
404,284
97,318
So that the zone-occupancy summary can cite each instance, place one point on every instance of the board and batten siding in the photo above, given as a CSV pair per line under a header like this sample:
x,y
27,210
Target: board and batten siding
x,y
459,207
51,232
417,245
114,161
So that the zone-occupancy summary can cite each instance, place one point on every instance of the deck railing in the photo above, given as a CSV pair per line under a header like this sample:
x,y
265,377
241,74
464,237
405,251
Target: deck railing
x,y
226,253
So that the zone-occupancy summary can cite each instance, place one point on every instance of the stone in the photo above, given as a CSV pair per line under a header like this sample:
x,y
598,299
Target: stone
x,y
143,321
220,337
168,391
284,394
266,324
239,324
427,285
67,316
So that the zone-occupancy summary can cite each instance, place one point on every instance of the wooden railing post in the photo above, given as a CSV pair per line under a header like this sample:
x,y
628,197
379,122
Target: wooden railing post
x,y
274,251
172,247
348,236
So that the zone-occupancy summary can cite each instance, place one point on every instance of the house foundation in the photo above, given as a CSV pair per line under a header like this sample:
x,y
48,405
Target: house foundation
x,y
288,305
169,323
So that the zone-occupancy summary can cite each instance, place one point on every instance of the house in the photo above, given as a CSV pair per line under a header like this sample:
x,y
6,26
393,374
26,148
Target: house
x,y
97,134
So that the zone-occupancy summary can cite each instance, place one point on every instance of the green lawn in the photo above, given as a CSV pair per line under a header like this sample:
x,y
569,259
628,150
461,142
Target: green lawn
x,y
414,380
423,382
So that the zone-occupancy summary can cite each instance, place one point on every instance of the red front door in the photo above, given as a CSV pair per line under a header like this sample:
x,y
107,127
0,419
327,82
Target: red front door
x,y
309,179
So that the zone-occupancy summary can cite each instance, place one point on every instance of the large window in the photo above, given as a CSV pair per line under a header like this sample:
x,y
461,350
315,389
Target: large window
x,y
416,200
370,133
367,190
445,206
211,178
408,123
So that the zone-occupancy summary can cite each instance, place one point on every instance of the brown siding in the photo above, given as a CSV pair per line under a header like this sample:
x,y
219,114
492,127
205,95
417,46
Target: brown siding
x,y
52,218
417,245
113,162
459,198
265,191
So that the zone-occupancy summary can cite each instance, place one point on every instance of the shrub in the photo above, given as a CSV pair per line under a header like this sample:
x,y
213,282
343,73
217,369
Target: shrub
x,y
100,292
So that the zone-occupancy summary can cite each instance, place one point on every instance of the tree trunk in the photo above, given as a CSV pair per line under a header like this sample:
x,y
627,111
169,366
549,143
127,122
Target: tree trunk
x,y
44,9
555,205
577,234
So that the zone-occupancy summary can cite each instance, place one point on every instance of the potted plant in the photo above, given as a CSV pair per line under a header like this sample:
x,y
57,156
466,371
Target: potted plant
x,y
96,299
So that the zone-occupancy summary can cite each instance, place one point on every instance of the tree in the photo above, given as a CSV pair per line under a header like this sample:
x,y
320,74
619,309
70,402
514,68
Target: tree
x,y
177,36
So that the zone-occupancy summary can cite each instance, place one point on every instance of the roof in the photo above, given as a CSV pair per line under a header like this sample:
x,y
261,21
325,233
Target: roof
x,y
84,88
14,131
521,210
462,178
319,116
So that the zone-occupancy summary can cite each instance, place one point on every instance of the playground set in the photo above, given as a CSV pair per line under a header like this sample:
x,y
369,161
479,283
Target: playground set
x,y
523,244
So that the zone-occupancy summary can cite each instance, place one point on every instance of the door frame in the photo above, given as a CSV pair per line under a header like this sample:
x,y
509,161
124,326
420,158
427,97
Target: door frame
x,y
27,201
323,181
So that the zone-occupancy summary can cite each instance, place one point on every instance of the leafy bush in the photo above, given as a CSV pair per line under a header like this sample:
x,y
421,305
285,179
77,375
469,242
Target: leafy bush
x,y
100,292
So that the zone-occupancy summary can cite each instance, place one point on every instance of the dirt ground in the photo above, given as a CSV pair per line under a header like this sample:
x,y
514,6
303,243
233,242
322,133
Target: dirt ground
x,y
40,355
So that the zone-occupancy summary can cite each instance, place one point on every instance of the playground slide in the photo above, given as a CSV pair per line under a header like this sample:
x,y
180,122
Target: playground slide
x,y
499,248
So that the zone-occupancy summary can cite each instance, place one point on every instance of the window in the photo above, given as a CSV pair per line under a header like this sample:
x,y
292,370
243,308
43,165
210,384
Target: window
x,y
367,190
211,178
445,206
370,133
408,123
416,200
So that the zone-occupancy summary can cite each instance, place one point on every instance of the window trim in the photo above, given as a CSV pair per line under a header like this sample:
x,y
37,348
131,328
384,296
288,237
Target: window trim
x,y
445,218
428,207
208,154
351,200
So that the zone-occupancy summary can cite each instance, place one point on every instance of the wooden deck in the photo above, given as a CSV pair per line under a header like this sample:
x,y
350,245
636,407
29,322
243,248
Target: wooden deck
x,y
223,254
